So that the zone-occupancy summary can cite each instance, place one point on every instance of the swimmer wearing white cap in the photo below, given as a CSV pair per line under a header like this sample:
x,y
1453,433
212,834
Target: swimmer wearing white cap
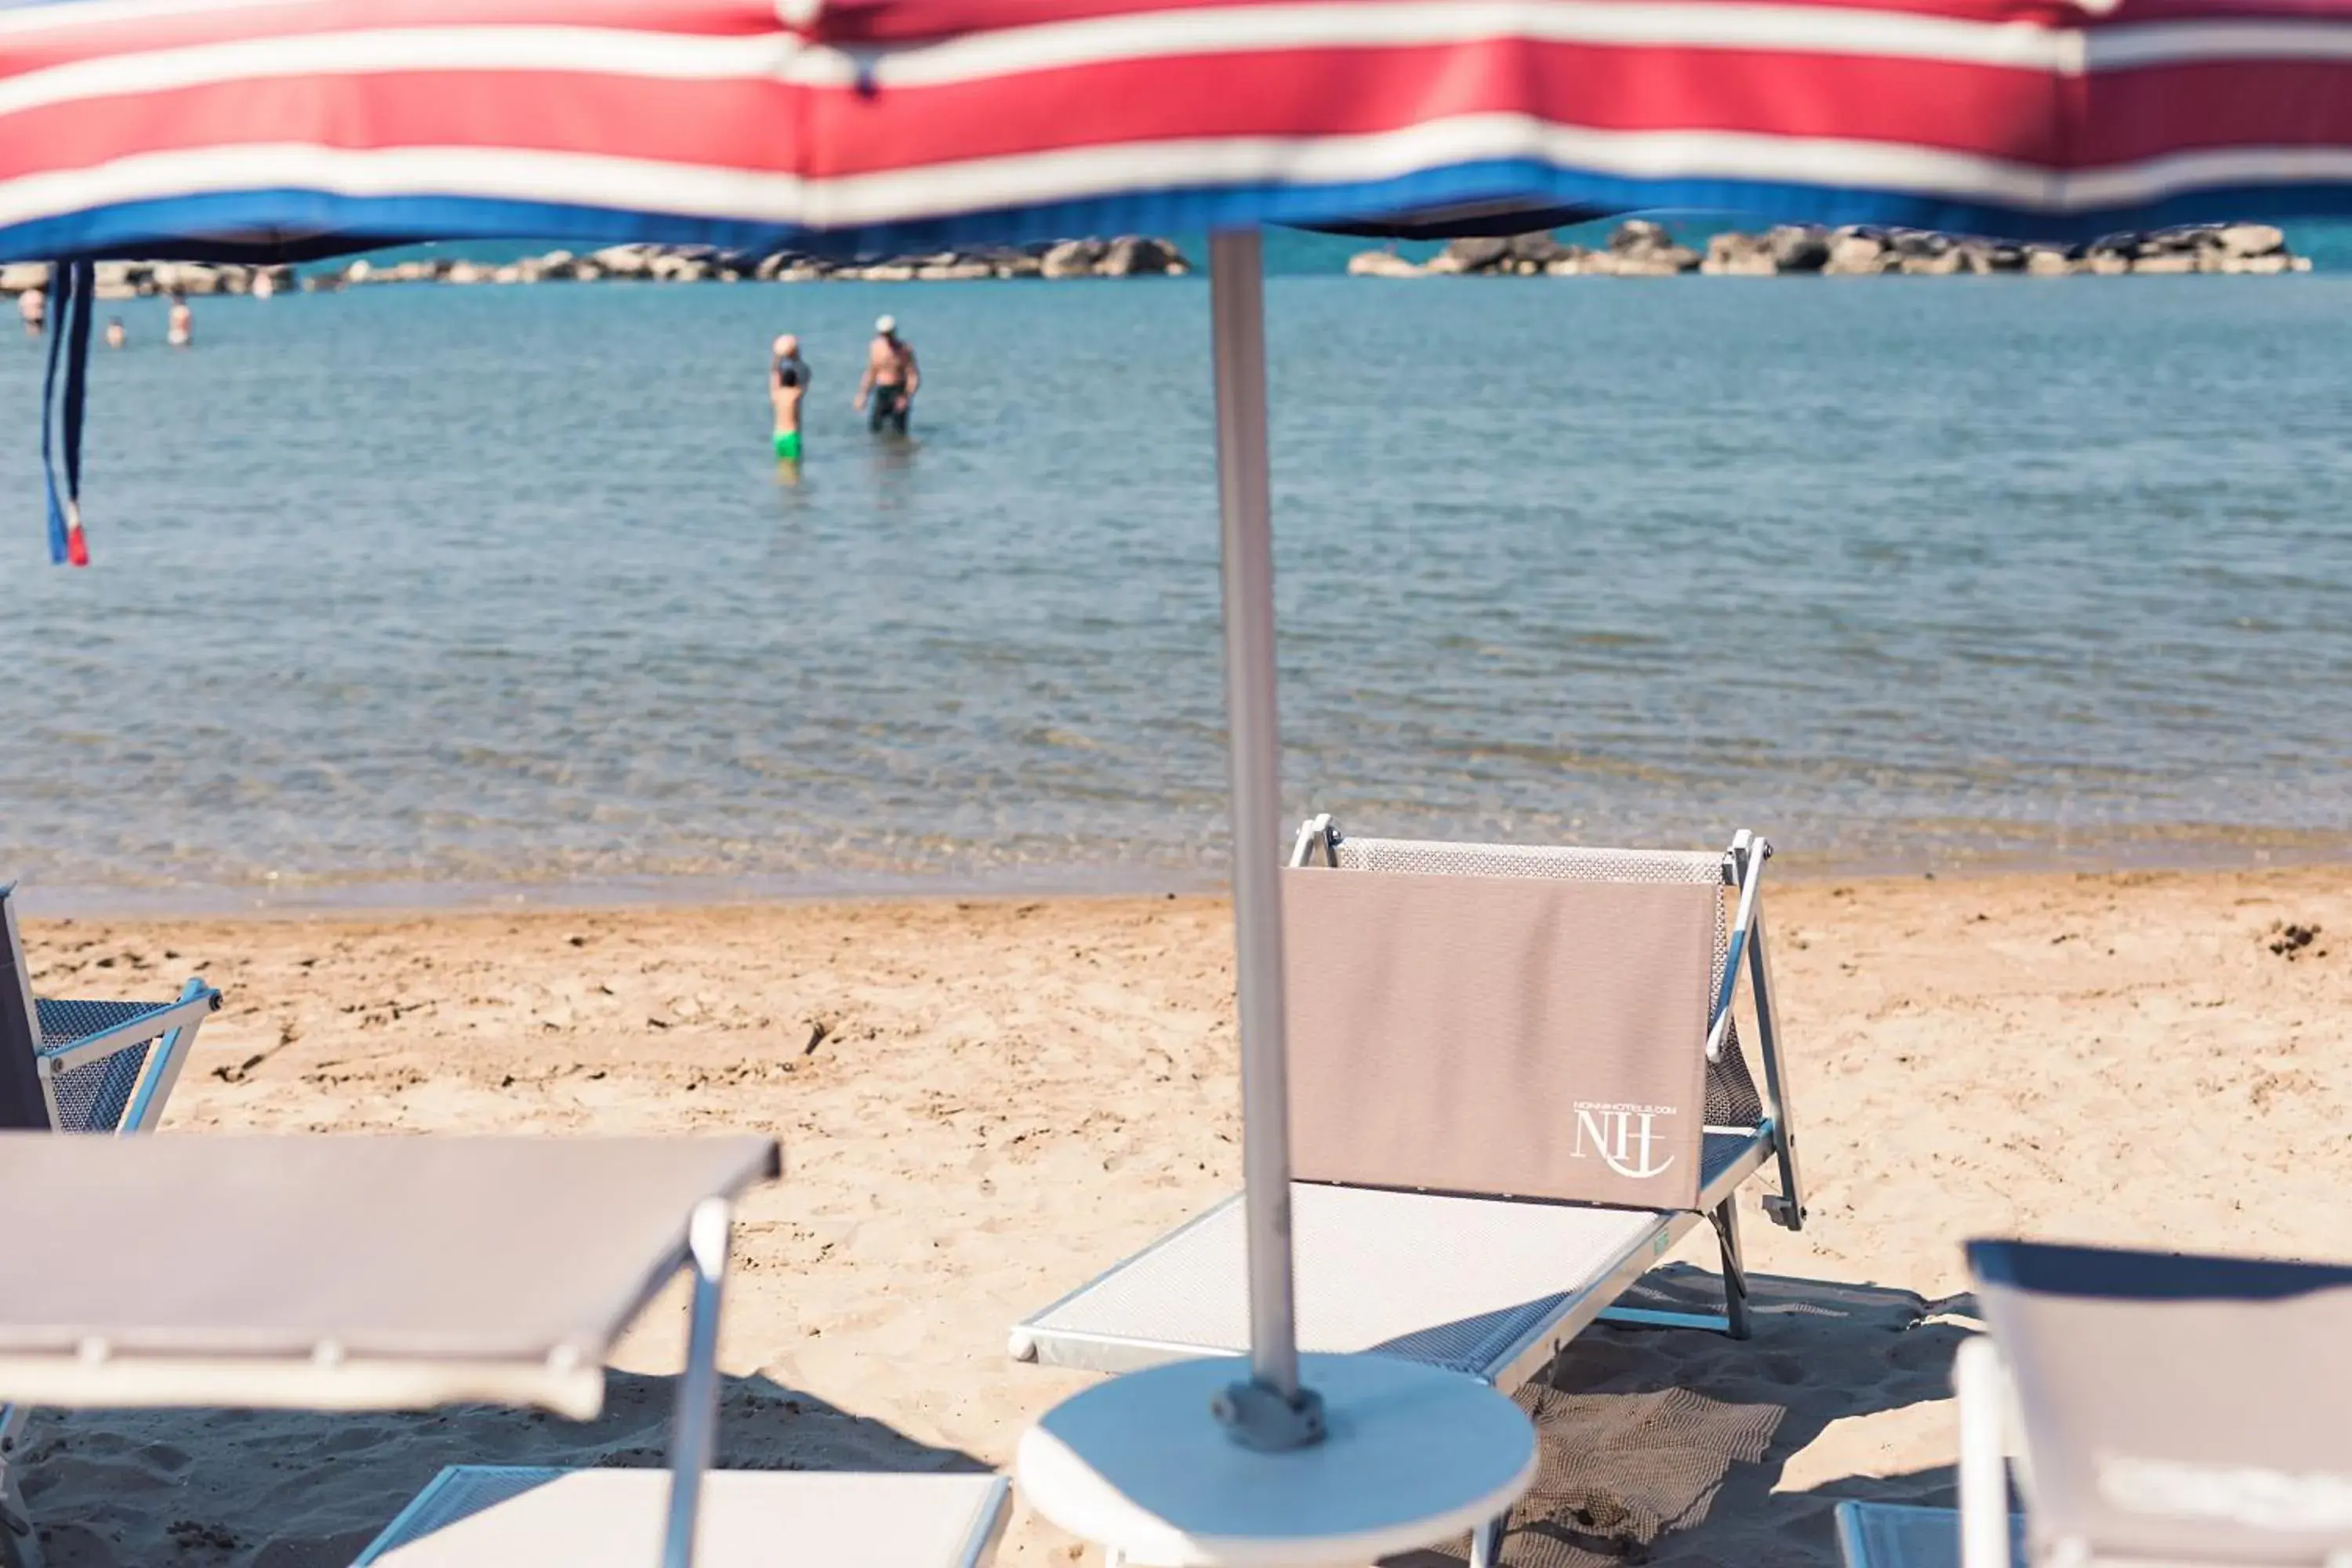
x,y
886,390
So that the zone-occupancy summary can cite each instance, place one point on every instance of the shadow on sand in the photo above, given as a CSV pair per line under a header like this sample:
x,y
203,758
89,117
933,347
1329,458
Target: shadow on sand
x,y
237,1488
1667,1446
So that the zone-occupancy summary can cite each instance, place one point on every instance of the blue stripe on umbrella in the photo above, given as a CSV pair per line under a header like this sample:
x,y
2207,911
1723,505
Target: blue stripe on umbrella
x,y
283,224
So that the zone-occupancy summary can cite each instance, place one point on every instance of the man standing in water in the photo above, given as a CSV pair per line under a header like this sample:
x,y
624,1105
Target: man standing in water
x,y
788,382
890,380
179,326
33,309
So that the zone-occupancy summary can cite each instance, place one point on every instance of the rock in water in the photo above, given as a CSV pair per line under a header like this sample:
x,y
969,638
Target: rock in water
x,y
1381,264
1798,248
1644,249
2253,239
624,260
1638,235
1072,259
1734,254
1531,253
1477,254
1139,256
1856,252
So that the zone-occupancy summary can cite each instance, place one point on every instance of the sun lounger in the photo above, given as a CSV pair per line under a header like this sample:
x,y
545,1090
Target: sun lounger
x,y
399,1273
87,1067
1516,1083
2161,1409
81,1067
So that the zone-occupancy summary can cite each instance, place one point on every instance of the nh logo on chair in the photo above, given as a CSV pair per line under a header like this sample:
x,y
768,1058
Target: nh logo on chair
x,y
1626,1137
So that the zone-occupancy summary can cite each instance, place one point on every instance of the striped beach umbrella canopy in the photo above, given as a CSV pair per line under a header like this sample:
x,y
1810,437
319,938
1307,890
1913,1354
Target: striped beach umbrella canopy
x,y
264,130
281,129
2012,119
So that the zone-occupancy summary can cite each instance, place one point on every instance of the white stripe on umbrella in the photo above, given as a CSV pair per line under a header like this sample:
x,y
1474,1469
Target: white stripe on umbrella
x,y
947,189
591,51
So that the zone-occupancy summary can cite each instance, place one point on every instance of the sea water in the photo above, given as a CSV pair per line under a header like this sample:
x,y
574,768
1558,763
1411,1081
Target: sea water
x,y
413,593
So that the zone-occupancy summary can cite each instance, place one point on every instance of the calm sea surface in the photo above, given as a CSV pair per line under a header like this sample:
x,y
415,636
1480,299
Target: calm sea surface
x,y
410,595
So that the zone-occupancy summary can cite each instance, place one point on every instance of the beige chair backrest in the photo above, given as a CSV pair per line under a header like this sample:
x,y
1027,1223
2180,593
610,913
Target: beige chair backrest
x,y
2176,1409
1536,1035
1732,1100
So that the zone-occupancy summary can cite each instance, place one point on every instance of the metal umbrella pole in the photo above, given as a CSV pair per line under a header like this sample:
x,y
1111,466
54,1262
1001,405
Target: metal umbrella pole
x,y
1272,1410
1410,1455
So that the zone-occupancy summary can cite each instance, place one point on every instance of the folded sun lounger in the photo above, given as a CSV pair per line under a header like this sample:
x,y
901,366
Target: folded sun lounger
x,y
87,1067
1515,1083
2162,1409
397,1273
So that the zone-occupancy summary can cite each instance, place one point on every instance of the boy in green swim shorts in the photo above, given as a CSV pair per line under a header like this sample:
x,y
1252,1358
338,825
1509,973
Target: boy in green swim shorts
x,y
788,383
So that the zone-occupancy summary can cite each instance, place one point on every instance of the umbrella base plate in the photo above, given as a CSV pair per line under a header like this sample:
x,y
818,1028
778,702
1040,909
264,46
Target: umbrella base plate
x,y
1413,1456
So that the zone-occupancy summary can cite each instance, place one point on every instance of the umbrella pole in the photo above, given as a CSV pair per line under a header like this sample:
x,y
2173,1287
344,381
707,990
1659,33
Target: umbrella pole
x,y
1270,1411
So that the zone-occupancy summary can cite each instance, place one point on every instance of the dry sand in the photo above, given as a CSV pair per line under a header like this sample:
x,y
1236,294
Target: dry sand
x,y
985,1102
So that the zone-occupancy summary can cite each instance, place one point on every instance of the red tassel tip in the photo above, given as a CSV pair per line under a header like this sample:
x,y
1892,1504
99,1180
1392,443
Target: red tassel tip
x,y
76,548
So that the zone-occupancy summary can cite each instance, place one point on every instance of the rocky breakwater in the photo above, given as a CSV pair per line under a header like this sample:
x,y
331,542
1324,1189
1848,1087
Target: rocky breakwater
x,y
1131,256
1128,257
1637,249
1644,249
139,279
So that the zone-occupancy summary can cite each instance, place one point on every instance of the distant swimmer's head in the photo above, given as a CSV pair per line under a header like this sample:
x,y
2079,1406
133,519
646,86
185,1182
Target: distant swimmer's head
x,y
787,346
887,326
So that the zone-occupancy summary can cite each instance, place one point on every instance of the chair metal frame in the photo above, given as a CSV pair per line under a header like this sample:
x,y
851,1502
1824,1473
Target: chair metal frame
x,y
1980,1378
171,1027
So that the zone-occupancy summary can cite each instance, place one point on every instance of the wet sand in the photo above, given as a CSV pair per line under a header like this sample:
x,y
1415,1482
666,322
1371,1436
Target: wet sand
x,y
985,1102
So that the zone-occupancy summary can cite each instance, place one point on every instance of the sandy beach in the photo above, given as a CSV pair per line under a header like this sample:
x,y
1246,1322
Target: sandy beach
x,y
983,1102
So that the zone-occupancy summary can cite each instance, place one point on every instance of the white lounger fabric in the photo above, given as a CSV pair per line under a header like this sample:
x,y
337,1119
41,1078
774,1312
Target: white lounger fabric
x,y
482,1516
188,1270
1457,1282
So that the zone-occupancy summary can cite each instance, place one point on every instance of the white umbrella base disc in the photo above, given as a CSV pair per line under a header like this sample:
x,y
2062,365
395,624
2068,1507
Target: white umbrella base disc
x,y
1413,1456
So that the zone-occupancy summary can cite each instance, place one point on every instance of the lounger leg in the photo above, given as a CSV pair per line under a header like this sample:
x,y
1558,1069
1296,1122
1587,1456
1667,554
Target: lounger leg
x,y
694,1435
1735,1269
20,1544
1487,1543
